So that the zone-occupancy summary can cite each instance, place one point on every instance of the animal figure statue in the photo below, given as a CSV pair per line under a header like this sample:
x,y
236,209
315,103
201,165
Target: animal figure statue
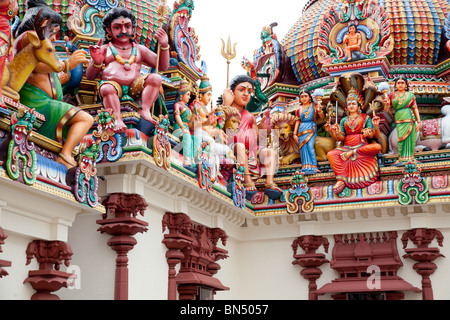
x,y
289,148
434,134
19,69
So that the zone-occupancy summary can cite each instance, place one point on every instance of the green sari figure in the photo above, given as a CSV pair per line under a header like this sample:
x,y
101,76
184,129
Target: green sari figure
x,y
183,127
407,120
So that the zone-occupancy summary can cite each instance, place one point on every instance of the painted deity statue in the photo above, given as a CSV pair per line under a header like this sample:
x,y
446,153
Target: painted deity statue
x,y
352,41
258,160
64,123
209,132
8,10
120,59
185,119
305,130
407,119
354,164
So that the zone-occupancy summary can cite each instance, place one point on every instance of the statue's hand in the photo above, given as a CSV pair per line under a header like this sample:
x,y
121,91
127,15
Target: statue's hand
x,y
336,128
418,126
376,121
367,132
228,97
162,37
96,53
212,117
76,58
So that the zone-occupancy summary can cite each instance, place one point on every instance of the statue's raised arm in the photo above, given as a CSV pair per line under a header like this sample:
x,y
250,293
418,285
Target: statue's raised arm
x,y
119,60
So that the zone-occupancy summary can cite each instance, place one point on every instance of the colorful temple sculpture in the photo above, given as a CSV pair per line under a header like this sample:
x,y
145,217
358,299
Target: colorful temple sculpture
x,y
333,142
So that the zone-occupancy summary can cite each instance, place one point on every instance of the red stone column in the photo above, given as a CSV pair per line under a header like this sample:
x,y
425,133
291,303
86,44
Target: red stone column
x,y
3,263
121,223
310,260
176,240
48,279
424,255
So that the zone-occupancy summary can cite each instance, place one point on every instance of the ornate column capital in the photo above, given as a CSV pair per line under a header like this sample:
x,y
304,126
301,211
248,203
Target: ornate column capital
x,y
121,223
49,255
195,247
310,260
424,255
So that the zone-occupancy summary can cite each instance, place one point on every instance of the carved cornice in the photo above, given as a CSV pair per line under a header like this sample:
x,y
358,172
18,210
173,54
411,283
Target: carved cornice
x,y
140,168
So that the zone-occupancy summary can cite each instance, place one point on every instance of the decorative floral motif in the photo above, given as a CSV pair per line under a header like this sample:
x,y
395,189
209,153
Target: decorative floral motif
x,y
184,37
431,129
237,187
375,188
85,184
162,149
299,198
412,188
317,192
110,142
439,182
205,167
21,158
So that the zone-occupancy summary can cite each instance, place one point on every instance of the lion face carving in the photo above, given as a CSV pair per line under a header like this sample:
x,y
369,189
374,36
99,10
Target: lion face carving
x,y
283,123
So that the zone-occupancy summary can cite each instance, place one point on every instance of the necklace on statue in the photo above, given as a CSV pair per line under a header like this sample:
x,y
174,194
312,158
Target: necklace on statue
x,y
307,111
400,98
126,63
354,122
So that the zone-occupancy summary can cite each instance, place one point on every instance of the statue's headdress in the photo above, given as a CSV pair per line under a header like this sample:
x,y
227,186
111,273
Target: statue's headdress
x,y
353,95
184,87
205,85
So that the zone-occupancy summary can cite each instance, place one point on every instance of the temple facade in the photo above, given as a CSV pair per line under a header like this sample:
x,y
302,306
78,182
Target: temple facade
x,y
138,216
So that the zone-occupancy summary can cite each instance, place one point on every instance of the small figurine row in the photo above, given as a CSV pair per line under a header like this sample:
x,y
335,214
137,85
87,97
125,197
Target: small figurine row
x,y
355,162
118,59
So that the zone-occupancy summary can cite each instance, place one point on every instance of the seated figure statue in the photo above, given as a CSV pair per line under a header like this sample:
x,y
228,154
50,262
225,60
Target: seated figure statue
x,y
120,59
355,164
207,128
64,123
257,159
352,41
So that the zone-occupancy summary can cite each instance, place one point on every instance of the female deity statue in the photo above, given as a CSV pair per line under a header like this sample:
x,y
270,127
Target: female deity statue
x,y
407,119
254,157
184,123
355,164
305,130
206,128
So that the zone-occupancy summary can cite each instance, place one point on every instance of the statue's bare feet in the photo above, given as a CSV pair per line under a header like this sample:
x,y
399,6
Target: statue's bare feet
x,y
146,115
339,187
68,161
346,155
120,126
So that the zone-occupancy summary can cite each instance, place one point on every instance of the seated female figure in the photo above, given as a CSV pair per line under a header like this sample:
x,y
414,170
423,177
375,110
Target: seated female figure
x,y
184,124
355,164
257,159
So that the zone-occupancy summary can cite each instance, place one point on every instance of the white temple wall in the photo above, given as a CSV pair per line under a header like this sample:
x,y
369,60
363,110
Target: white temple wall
x,y
12,285
92,258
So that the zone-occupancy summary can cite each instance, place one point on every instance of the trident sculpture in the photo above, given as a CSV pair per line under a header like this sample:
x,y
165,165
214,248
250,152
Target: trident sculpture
x,y
229,54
